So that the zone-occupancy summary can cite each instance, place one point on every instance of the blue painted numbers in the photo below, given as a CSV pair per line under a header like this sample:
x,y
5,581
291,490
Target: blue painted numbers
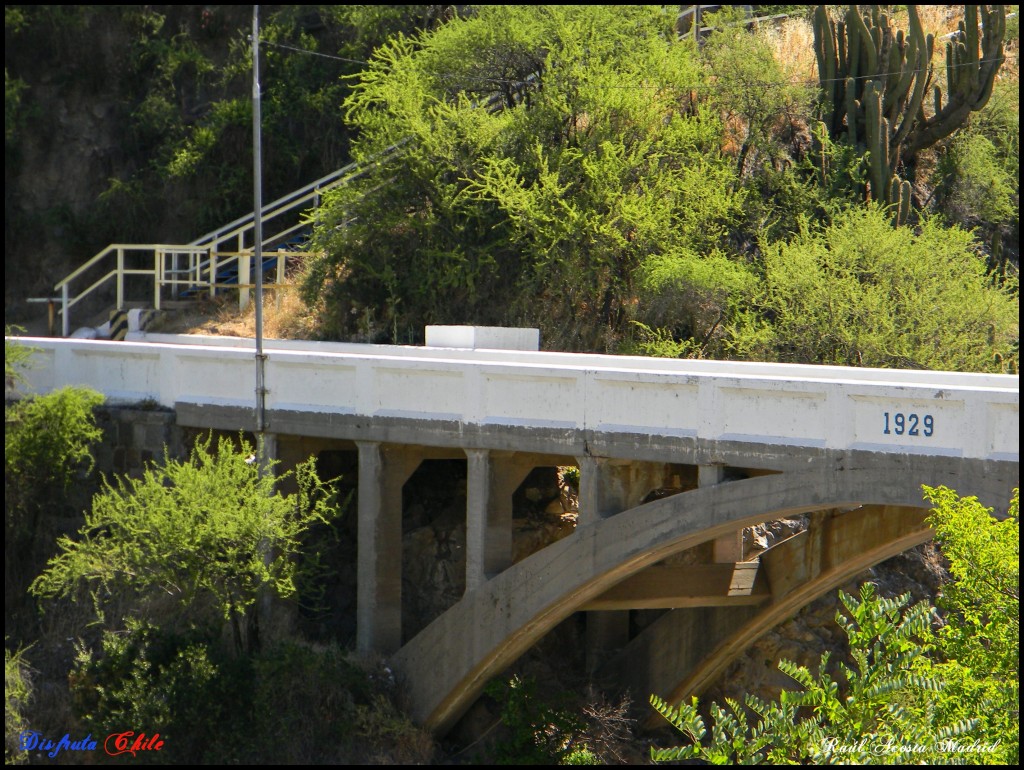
x,y
909,424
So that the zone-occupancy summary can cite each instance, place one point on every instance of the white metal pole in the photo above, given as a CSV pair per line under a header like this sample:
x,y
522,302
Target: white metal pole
x,y
258,223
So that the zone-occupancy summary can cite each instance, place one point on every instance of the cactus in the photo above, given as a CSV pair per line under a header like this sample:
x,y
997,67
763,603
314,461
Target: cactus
x,y
874,79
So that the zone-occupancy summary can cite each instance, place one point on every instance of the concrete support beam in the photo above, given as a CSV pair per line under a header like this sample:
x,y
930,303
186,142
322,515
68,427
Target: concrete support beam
x,y
729,548
607,487
674,586
382,472
491,480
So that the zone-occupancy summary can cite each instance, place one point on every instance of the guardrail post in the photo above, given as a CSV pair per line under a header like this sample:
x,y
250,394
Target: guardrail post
x,y
213,269
158,271
65,322
244,277
120,279
175,255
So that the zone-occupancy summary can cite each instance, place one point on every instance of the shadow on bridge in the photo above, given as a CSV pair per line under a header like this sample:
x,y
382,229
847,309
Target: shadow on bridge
x,y
446,666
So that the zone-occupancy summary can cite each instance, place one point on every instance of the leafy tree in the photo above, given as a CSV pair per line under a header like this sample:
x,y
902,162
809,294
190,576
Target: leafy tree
x,y
759,103
863,292
980,640
48,445
211,532
539,212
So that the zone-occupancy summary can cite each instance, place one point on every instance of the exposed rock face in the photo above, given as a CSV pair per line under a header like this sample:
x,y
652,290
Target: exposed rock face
x,y
434,539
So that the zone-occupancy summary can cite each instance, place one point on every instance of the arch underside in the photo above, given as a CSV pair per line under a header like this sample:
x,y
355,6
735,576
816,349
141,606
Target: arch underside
x,y
446,666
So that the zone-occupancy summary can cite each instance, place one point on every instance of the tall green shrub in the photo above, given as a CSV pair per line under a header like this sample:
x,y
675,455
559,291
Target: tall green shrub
x,y
48,450
863,292
212,533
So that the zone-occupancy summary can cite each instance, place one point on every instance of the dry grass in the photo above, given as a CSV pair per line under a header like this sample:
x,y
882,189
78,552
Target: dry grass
x,y
285,316
792,40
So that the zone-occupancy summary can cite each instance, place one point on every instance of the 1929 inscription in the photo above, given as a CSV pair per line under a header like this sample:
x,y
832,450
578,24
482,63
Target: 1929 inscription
x,y
909,424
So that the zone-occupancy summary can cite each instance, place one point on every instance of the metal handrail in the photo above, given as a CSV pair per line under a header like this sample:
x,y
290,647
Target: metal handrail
x,y
210,243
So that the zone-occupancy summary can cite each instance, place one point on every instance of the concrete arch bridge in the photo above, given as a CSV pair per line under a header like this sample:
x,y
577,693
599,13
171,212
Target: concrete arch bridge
x,y
736,444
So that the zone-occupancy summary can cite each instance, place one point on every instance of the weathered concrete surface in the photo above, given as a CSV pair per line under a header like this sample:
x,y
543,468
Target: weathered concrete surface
x,y
447,665
683,652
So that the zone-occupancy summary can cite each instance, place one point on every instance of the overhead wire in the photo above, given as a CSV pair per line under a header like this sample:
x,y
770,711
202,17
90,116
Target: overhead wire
x,y
792,82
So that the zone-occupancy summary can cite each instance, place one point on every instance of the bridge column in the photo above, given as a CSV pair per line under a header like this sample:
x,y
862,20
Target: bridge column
x,y
609,486
604,487
382,472
491,479
728,548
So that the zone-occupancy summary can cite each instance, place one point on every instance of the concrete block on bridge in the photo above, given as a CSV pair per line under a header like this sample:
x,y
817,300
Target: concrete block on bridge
x,y
483,337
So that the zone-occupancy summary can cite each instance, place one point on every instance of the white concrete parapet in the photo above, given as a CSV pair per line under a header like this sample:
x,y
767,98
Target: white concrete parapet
x,y
885,410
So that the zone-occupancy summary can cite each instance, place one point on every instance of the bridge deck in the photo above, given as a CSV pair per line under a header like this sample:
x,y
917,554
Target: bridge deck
x,y
553,395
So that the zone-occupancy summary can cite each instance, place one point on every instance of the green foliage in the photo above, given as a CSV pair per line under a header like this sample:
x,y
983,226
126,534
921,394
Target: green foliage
x,y
661,343
17,693
176,685
758,102
538,732
48,451
16,356
49,439
863,292
686,297
984,559
978,176
980,189
980,641
293,704
539,212
14,117
211,532
881,709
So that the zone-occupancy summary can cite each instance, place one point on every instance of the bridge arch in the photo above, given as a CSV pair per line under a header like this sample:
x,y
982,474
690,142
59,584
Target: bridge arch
x,y
447,665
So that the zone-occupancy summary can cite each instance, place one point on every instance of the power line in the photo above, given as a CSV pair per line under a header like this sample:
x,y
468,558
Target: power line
x,y
315,53
692,87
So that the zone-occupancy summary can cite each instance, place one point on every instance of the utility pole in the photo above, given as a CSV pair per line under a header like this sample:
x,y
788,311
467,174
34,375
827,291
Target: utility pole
x,y
257,161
